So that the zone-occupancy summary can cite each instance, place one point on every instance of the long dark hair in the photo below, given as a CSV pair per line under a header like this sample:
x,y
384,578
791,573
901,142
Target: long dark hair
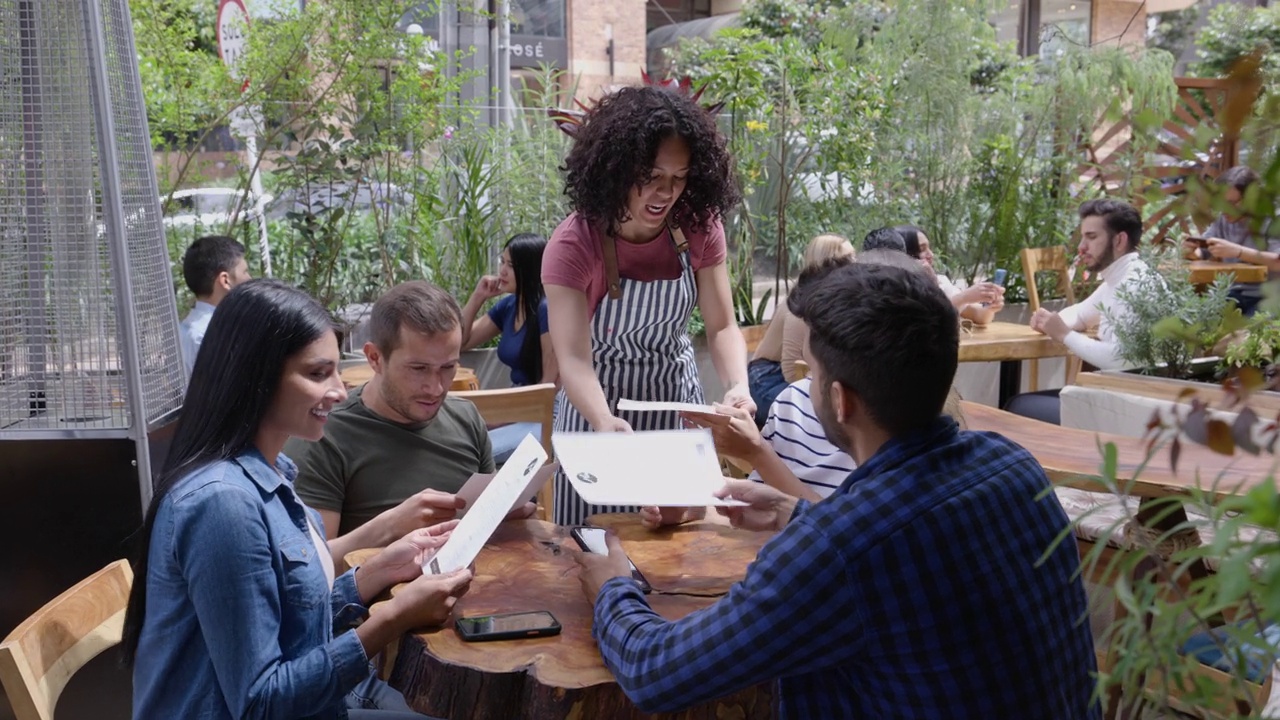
x,y
258,326
525,250
911,236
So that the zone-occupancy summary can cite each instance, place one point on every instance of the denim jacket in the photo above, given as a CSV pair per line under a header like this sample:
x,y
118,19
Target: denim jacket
x,y
239,618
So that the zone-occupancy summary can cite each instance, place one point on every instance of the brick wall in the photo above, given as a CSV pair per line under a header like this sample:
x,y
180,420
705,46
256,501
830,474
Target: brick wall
x,y
1119,22
588,60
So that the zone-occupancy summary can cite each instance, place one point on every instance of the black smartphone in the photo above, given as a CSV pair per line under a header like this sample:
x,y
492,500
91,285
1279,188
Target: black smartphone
x,y
591,539
508,626
1201,242
1000,277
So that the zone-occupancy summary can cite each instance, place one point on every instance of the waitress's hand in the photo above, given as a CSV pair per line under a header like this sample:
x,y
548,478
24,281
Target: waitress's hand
x,y
613,423
489,286
739,396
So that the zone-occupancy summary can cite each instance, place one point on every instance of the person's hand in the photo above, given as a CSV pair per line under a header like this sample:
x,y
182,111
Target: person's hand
x,y
766,508
653,518
429,599
596,570
489,286
1050,323
1191,249
739,396
401,561
428,507
978,293
739,437
613,423
1224,250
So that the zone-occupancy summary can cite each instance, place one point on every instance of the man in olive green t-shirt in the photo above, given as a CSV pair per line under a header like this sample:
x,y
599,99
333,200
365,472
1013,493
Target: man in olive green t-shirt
x,y
398,448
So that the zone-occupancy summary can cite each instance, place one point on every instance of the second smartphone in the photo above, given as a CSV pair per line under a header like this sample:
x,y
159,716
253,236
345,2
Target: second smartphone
x,y
591,539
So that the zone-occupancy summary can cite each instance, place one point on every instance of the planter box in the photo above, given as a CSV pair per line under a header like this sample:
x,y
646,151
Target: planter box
x,y
1265,404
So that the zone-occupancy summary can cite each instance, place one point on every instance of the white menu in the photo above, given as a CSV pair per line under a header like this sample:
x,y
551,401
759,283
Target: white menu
x,y
477,526
673,468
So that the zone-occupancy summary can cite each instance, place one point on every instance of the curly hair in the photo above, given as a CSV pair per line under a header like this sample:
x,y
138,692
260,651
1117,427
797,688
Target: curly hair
x,y
617,144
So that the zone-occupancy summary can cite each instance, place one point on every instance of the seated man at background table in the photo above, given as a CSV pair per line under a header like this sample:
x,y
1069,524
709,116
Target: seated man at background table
x,y
1231,238
917,589
398,447
1110,231
211,266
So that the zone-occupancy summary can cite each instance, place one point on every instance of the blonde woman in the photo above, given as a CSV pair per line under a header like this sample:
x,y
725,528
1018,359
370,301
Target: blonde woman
x,y
774,364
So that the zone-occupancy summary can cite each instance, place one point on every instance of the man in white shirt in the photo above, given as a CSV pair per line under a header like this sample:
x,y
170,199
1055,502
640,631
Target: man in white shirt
x,y
211,266
1110,231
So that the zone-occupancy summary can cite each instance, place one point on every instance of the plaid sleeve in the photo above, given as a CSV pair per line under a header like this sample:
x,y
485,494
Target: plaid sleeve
x,y
793,613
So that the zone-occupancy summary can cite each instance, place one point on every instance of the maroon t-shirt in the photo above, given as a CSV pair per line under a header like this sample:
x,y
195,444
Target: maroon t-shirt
x,y
574,257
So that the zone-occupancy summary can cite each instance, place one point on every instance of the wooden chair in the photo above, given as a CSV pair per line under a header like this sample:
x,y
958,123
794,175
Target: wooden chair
x,y
802,369
1049,259
531,403
39,657
753,334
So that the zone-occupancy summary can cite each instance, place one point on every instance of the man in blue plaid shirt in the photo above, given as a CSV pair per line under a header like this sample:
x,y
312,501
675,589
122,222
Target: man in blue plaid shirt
x,y
917,589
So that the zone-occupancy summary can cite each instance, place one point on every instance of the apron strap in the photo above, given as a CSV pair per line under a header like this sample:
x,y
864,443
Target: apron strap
x,y
677,237
610,248
611,266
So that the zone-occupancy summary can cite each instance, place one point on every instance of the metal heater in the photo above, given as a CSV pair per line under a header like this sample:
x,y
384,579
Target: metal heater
x,y
90,376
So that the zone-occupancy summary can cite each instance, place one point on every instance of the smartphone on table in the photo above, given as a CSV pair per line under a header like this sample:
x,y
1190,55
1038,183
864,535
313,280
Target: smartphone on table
x,y
508,626
591,539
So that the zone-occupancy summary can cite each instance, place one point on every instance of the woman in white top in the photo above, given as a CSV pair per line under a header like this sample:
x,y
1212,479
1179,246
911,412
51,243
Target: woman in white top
x,y
979,302
774,363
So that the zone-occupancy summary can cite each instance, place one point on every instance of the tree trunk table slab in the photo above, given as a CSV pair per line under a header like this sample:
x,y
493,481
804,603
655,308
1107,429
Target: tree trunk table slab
x,y
526,566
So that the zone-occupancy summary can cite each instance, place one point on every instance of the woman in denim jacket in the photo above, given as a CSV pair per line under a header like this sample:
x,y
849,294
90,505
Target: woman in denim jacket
x,y
235,607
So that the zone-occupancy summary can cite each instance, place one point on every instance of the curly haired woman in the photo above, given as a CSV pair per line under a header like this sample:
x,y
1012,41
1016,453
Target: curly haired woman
x,y
649,178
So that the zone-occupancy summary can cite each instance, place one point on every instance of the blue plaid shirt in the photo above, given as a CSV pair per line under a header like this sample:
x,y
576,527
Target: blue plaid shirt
x,y
914,591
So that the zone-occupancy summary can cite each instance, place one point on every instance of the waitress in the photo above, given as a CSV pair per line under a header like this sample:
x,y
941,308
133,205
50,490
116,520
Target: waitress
x,y
649,178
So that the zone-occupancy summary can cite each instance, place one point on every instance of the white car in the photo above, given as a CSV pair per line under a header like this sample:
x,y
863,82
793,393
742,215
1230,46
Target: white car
x,y
211,209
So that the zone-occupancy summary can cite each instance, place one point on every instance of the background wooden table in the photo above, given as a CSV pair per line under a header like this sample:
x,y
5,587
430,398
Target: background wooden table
x,y
1204,272
524,567
1073,457
357,375
1009,344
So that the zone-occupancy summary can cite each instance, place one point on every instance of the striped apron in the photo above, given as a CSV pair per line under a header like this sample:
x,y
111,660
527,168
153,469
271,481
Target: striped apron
x,y
640,350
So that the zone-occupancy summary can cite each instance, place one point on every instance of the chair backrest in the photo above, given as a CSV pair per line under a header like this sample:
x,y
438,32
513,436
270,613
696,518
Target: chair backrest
x,y
753,334
1048,259
530,403
39,657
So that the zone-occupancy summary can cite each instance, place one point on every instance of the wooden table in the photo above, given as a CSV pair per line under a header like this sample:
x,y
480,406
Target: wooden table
x,y
357,375
1009,344
1073,457
1204,272
523,567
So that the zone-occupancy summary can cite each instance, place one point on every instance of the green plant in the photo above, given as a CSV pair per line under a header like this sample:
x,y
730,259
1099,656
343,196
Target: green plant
x,y
1258,347
1235,30
1167,322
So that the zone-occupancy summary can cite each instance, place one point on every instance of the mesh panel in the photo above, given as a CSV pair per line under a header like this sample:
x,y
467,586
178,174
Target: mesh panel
x,y
61,362
153,300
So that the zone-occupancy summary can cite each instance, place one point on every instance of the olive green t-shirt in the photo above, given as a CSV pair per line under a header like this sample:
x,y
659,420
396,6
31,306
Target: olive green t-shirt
x,y
366,464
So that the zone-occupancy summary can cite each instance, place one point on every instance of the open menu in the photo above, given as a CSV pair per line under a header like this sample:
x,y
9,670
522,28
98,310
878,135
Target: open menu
x,y
476,484
502,493
675,468
708,412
